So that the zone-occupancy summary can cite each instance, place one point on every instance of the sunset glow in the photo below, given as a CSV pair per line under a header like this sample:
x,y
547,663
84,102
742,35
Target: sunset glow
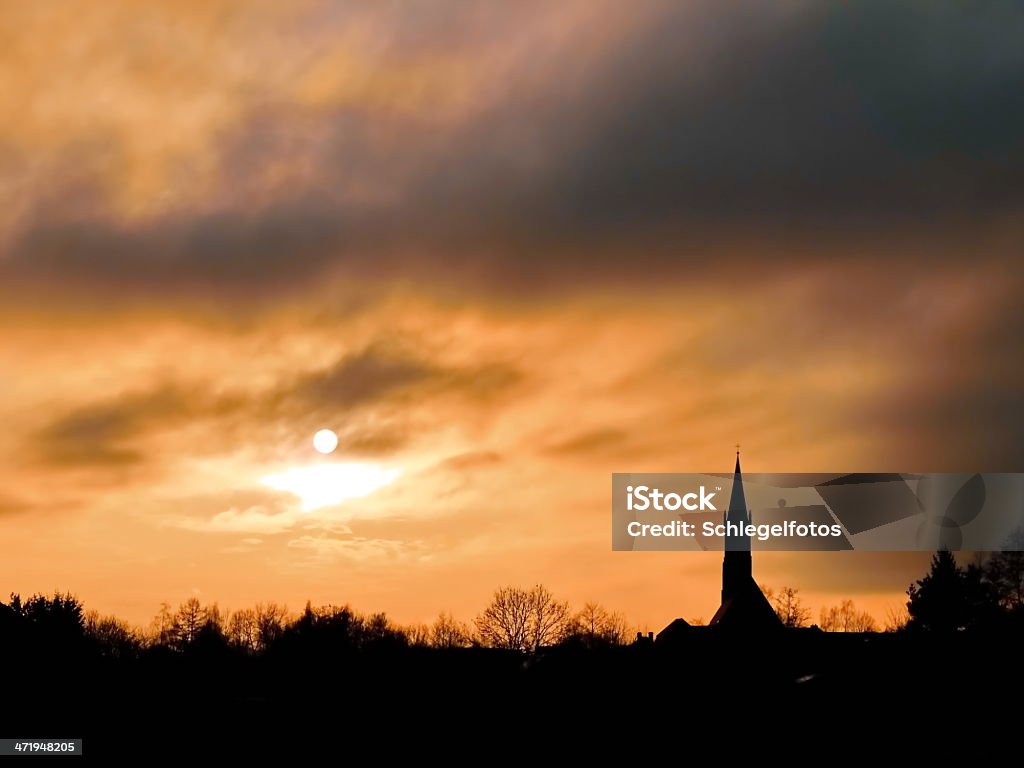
x,y
325,485
499,251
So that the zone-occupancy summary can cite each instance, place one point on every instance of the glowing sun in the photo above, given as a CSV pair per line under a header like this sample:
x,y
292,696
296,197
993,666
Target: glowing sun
x,y
325,485
325,441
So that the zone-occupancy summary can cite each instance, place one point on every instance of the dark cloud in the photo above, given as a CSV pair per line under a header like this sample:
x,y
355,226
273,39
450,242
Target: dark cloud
x,y
964,397
101,434
375,442
11,504
406,394
107,433
242,252
367,375
974,425
469,460
836,111
730,141
709,122
957,405
381,371
594,441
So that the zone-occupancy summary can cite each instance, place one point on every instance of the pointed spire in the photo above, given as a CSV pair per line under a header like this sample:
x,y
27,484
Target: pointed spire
x,y
737,500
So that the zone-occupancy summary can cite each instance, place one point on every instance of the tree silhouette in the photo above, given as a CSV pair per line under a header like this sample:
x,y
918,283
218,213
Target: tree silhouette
x,y
211,638
846,618
950,598
550,617
1005,572
112,637
418,635
790,608
896,618
162,627
377,631
523,619
213,619
505,622
48,624
243,631
61,614
188,621
330,629
270,623
594,626
448,632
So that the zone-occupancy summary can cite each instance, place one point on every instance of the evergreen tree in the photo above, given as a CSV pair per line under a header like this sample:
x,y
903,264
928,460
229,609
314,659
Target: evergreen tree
x,y
950,598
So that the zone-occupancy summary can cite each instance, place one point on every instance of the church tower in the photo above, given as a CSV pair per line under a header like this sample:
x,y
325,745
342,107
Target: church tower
x,y
736,567
744,606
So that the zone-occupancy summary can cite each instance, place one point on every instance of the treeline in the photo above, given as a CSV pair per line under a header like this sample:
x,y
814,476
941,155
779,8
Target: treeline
x,y
517,619
987,593
982,595
844,617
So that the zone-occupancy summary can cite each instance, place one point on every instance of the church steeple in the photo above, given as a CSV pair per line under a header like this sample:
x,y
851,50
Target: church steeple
x,y
738,512
736,567
744,607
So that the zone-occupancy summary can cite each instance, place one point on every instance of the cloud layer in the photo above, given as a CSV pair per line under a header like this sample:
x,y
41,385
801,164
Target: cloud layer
x,y
507,248
669,143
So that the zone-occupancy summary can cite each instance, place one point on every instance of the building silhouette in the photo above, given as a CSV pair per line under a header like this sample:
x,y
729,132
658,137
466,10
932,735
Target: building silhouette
x,y
744,606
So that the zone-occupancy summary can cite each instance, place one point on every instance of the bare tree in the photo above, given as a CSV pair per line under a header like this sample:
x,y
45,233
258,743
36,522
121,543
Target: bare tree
x,y
505,622
896,618
523,619
449,632
270,622
790,608
550,617
846,618
243,630
591,619
418,635
596,626
162,629
617,630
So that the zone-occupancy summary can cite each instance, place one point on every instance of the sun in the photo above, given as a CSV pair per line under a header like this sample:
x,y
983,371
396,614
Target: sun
x,y
325,485
325,441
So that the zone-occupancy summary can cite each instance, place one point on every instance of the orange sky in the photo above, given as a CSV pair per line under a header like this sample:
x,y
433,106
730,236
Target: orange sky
x,y
502,249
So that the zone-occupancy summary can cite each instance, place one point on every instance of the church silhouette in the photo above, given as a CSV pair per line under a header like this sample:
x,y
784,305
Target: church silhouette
x,y
744,606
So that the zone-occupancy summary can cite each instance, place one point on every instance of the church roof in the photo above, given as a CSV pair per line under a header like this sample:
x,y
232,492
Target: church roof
x,y
747,610
674,631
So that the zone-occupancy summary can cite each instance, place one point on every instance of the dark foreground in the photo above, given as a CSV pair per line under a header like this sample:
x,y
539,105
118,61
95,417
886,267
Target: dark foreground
x,y
611,700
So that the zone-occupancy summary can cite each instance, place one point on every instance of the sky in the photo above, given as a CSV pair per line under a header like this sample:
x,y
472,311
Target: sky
x,y
503,250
